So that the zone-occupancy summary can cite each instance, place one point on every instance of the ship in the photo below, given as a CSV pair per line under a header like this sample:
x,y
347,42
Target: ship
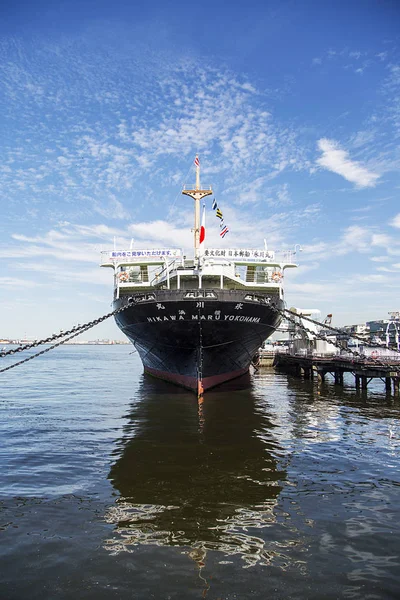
x,y
198,321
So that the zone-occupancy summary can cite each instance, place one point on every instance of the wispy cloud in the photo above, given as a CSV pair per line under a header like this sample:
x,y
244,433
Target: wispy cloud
x,y
99,138
16,282
379,259
355,238
259,191
345,58
337,160
394,269
396,221
60,159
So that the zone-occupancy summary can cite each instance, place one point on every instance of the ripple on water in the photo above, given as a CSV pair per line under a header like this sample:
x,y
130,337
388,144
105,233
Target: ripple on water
x,y
114,484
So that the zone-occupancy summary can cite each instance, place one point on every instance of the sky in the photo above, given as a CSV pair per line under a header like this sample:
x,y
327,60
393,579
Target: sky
x,y
293,108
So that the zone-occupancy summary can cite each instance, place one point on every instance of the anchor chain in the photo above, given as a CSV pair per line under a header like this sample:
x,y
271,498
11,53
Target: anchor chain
x,y
75,331
322,337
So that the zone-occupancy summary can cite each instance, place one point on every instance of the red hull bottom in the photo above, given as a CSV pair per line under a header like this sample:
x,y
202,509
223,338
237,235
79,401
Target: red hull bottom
x,y
192,383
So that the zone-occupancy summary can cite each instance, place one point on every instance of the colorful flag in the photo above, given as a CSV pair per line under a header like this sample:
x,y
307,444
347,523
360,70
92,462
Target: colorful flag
x,y
218,213
196,161
203,226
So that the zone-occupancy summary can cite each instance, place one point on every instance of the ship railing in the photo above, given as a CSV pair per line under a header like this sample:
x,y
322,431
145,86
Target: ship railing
x,y
346,357
272,351
371,356
126,277
165,271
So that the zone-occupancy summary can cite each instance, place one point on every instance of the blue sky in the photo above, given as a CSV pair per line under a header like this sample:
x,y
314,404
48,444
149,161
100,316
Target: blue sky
x,y
293,107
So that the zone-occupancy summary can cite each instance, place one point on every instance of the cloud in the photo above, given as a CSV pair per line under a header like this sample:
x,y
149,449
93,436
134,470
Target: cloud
x,y
364,240
380,259
258,191
394,269
381,240
336,160
102,138
160,233
316,249
329,292
354,238
372,278
381,55
363,138
396,221
53,271
57,156
16,282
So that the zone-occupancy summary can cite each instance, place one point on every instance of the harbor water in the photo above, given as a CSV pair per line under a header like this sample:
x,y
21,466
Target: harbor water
x,y
114,485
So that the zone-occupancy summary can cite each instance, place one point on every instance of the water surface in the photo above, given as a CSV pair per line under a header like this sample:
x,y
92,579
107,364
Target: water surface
x,y
115,485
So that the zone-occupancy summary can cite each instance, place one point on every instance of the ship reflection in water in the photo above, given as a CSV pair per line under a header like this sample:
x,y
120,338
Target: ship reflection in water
x,y
200,477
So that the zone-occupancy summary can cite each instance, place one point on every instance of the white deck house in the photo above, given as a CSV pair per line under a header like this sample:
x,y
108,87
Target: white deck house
x,y
225,269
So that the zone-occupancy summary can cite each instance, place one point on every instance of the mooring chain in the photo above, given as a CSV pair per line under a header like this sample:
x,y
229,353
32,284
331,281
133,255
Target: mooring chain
x,y
56,336
45,350
314,334
336,330
335,343
75,331
322,337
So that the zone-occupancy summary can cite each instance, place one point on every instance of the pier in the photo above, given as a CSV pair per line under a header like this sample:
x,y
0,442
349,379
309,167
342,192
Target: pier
x,y
364,369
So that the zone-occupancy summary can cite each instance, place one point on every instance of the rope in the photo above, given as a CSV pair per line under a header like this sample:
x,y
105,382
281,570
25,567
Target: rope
x,y
179,193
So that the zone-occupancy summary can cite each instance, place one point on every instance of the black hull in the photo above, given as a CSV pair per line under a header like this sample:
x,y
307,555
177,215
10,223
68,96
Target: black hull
x,y
192,340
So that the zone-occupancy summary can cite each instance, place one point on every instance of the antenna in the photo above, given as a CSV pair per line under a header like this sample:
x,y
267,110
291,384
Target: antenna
x,y
265,245
131,246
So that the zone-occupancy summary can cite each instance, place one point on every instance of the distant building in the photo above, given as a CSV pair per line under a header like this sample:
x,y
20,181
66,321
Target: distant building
x,y
386,330
359,329
360,332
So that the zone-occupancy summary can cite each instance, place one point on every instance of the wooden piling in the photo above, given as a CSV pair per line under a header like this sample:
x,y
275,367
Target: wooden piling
x,y
364,370
338,375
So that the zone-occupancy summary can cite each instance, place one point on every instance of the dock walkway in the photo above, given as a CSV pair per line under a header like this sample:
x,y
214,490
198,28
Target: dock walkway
x,y
364,369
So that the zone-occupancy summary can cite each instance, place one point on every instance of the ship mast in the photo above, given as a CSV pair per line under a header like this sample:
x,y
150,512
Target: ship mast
x,y
197,194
